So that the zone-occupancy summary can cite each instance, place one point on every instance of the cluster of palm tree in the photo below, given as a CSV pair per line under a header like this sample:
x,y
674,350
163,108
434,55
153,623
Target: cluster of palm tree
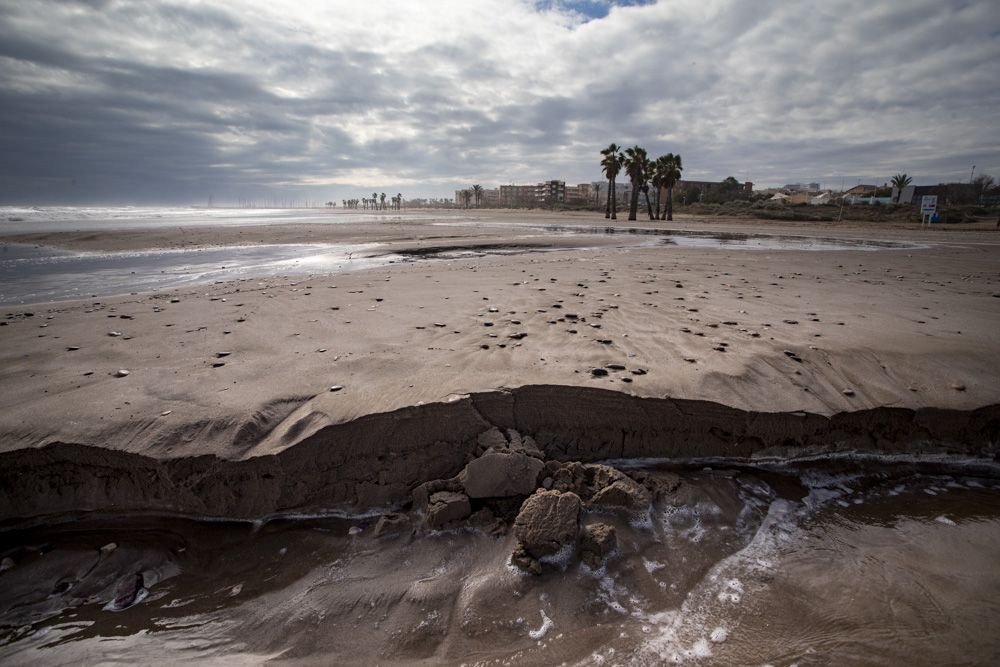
x,y
375,203
662,173
473,194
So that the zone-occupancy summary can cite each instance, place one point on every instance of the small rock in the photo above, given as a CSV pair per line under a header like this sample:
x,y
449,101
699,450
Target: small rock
x,y
598,372
615,367
72,348
165,413
7,564
958,386
446,506
336,387
109,547
222,354
498,474
624,492
518,336
121,373
597,541
548,521
848,392
114,334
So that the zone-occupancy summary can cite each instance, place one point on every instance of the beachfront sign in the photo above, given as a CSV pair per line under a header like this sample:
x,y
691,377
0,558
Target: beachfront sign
x,y
928,209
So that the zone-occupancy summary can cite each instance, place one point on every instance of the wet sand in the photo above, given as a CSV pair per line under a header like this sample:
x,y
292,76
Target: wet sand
x,y
805,565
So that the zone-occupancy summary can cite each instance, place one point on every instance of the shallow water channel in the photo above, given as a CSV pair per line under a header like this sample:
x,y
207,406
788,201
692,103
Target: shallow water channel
x,y
32,274
830,562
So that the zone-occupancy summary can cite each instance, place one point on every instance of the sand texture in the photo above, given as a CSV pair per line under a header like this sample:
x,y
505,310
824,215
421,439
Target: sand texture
x,y
243,371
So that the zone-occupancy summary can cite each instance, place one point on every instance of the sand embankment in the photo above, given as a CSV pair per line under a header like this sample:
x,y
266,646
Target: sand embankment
x,y
241,371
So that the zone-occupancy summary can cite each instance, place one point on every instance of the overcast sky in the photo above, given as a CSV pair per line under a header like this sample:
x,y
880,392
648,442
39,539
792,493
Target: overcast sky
x,y
106,101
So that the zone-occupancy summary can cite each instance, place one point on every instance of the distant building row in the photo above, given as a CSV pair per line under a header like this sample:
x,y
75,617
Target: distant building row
x,y
547,193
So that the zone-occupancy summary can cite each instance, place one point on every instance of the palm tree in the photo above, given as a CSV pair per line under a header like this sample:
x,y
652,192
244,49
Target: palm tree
x,y
477,193
900,181
635,160
611,164
668,168
647,171
399,201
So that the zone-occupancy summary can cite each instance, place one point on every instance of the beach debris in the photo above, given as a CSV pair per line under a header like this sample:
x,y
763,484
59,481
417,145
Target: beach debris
x,y
547,523
500,473
597,540
446,506
121,373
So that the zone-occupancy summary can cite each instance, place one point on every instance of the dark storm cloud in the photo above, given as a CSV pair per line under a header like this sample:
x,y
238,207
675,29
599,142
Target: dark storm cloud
x,y
174,101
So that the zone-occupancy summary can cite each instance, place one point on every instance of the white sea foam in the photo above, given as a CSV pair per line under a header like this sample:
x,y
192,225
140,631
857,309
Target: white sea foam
x,y
543,628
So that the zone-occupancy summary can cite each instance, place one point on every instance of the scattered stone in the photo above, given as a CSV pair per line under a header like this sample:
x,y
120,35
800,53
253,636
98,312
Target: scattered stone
x,y
440,324
598,372
639,371
958,386
446,506
354,530
604,341
499,473
848,392
597,541
518,336
7,564
72,348
548,521
222,354
623,492
218,364
109,547
121,373
114,334
336,387
615,367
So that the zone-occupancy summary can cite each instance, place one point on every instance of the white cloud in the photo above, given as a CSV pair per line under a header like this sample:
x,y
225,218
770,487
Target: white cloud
x,y
145,100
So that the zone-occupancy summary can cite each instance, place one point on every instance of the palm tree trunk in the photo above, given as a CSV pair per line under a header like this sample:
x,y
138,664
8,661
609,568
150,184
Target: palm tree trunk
x,y
670,203
611,187
658,188
614,200
633,205
649,207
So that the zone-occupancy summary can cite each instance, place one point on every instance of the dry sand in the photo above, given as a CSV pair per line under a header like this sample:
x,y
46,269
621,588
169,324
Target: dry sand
x,y
244,369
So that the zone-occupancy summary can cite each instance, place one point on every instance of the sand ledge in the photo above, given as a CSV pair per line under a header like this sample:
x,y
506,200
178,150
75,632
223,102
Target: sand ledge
x,y
377,459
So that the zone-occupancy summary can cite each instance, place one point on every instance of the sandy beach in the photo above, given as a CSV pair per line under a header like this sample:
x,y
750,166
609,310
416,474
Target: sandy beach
x,y
758,330
401,410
